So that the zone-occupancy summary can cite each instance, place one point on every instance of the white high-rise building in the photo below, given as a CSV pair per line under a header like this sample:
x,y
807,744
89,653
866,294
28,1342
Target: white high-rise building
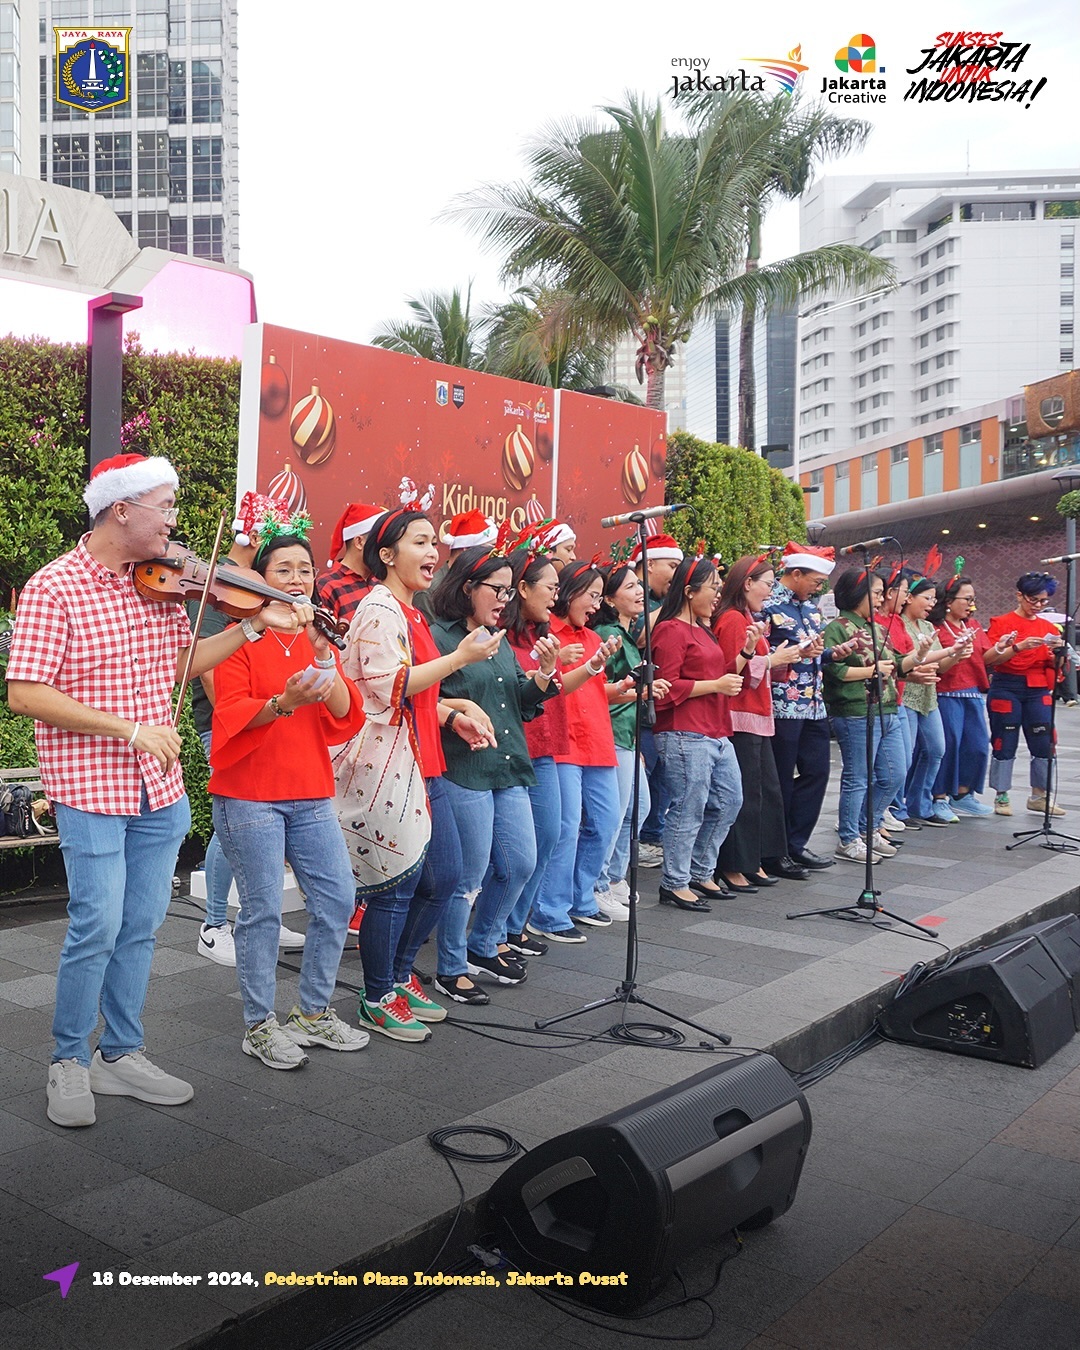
x,y
985,302
167,159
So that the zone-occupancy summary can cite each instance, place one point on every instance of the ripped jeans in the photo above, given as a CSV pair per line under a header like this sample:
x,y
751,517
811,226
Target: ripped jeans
x,y
498,856
1014,705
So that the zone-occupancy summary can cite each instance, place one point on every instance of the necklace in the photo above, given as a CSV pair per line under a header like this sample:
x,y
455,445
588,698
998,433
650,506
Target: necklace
x,y
286,648
956,635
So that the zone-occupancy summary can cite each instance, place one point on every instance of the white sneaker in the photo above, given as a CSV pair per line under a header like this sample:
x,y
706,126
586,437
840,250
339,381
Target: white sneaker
x,y
134,1076
325,1028
650,855
620,891
613,908
216,944
70,1100
893,823
269,1043
290,941
854,852
882,847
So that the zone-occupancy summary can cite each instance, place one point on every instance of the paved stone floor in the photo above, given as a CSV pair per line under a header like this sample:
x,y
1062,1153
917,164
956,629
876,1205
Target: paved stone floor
x,y
940,1198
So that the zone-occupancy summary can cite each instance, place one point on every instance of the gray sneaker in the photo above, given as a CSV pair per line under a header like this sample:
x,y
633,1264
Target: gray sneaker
x,y
70,1100
650,855
134,1076
269,1043
325,1028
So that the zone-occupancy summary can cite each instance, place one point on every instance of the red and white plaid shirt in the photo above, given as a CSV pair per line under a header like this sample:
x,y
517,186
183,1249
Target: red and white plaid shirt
x,y
88,633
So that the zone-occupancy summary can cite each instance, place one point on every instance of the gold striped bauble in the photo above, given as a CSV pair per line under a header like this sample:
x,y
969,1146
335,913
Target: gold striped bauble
x,y
312,428
518,459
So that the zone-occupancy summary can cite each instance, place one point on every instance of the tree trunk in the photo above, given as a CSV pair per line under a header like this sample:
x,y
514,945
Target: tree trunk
x,y
747,388
655,382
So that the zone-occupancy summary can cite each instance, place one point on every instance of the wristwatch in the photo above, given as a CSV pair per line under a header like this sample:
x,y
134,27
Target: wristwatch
x,y
248,630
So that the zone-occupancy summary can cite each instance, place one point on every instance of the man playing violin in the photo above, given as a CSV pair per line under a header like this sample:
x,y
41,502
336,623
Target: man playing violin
x,y
94,663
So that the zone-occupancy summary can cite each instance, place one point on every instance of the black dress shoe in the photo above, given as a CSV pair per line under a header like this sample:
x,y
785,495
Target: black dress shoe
x,y
718,892
786,868
738,889
670,898
772,879
814,861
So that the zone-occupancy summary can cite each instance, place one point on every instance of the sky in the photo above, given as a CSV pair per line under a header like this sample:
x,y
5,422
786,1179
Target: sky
x,y
359,124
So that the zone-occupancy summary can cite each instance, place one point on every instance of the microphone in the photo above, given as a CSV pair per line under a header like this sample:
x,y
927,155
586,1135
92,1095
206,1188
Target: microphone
x,y
636,517
865,545
1065,557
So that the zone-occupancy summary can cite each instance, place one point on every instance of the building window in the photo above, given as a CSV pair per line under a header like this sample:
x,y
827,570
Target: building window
x,y
924,339
178,158
154,229
153,149
178,234
842,470
206,91
817,477
869,462
152,83
970,432
207,236
924,285
1067,300
924,313
997,211
71,162
177,91
906,236
1066,327
1066,356
922,368
206,184
112,164
1061,210
1067,269
933,445
898,454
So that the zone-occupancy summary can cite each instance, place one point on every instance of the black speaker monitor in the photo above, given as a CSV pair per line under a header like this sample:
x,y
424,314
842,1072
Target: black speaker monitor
x,y
1008,1002
1061,938
628,1196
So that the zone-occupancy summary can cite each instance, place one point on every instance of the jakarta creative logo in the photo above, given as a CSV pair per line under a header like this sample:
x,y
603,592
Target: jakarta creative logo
x,y
92,67
859,57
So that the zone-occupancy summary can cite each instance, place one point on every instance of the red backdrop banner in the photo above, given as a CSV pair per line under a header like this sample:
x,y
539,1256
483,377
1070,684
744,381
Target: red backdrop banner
x,y
326,422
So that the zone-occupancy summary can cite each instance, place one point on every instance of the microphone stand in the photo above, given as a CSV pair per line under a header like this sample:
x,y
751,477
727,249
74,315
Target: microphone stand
x,y
867,909
644,715
1045,833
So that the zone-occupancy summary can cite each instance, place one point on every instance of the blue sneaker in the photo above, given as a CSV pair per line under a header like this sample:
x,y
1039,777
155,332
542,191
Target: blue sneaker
x,y
969,805
941,811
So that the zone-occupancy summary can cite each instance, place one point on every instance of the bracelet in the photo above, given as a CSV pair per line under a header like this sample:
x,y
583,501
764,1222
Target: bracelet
x,y
325,663
138,728
594,670
248,630
748,656
278,710
454,712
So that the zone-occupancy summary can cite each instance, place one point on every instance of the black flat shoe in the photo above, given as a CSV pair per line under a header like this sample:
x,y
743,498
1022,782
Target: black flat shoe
x,y
452,987
783,868
814,862
697,906
717,892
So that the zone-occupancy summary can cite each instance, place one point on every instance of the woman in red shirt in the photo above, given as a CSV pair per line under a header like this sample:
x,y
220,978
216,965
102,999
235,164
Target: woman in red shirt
x,y
759,833
961,695
588,778
693,731
1022,665
282,701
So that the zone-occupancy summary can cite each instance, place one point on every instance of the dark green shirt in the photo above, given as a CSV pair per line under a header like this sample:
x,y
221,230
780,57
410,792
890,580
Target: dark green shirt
x,y
847,698
618,667
509,698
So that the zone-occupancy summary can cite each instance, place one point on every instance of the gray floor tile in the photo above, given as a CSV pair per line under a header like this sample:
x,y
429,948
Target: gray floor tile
x,y
998,1206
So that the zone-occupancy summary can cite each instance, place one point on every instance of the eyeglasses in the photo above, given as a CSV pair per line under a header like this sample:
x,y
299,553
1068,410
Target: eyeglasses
x,y
168,513
501,592
287,573
1037,600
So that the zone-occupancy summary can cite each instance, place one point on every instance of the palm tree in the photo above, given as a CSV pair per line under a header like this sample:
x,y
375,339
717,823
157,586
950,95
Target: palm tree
x,y
647,229
442,329
539,336
801,136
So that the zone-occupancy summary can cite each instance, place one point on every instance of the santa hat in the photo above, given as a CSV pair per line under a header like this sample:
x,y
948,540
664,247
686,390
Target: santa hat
x,y
356,520
558,533
126,476
808,558
661,548
254,508
468,530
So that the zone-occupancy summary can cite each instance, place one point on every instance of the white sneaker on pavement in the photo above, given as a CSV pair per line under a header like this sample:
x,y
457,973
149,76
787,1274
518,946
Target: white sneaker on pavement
x,y
620,891
134,1076
290,941
613,908
70,1100
216,944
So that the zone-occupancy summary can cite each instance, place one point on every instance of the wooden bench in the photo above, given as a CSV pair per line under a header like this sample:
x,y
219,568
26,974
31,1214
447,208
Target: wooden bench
x,y
25,778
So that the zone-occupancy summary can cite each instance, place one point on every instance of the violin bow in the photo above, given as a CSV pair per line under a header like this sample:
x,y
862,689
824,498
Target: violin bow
x,y
196,627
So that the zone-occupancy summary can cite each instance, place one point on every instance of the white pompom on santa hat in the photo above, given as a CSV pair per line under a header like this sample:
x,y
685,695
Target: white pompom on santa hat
x,y
468,530
355,522
123,477
661,548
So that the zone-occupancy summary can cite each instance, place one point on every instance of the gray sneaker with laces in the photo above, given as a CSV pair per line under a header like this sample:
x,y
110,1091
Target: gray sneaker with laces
x,y
134,1076
71,1102
268,1042
325,1028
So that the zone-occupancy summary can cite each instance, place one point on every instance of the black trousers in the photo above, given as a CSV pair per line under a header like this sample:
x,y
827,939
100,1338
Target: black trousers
x,y
759,830
801,754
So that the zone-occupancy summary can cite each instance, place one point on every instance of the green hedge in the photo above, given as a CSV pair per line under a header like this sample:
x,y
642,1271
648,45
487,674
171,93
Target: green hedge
x,y
184,407
739,502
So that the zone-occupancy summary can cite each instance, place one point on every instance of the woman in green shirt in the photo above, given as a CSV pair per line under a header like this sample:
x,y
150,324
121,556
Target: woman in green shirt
x,y
620,610
488,788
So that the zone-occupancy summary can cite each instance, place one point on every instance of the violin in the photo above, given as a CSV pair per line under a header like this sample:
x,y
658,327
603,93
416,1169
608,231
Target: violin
x,y
240,592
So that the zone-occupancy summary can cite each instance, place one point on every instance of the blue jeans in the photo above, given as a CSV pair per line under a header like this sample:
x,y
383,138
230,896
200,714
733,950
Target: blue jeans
x,y
216,869
967,744
498,855
618,858
929,752
546,804
652,831
907,720
701,775
889,769
397,922
119,872
589,802
257,838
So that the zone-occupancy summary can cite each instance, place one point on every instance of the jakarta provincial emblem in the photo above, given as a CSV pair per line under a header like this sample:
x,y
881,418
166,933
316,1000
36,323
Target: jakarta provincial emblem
x,y
92,68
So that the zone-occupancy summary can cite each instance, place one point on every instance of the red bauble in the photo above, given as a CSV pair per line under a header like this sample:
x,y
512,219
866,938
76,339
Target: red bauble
x,y
286,486
658,458
274,388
